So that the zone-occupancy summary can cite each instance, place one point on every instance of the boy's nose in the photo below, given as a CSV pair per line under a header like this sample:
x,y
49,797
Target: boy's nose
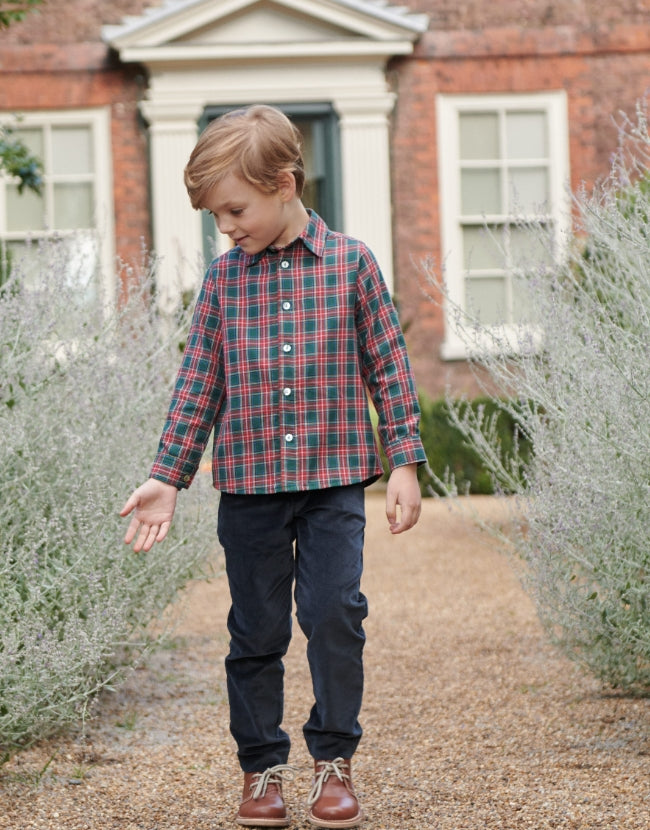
x,y
225,226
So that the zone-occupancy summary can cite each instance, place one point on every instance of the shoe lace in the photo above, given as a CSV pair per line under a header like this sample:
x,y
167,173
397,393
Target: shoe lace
x,y
336,767
272,775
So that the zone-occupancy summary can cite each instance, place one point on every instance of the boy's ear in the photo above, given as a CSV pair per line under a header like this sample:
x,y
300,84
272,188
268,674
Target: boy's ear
x,y
286,185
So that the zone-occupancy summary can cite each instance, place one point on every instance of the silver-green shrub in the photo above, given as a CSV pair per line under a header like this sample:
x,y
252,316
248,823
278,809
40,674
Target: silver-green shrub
x,y
83,395
583,399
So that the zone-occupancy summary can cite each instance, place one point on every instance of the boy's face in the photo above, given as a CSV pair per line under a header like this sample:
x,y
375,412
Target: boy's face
x,y
252,218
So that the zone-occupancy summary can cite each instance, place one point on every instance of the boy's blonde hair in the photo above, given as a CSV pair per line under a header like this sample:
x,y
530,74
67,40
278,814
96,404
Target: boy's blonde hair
x,y
257,143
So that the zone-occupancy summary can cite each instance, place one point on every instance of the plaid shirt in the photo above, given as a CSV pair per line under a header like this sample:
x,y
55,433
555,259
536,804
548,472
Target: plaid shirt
x,y
282,347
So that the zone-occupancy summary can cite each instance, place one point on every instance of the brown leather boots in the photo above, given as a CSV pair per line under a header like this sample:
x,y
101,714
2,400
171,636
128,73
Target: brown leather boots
x,y
332,802
262,804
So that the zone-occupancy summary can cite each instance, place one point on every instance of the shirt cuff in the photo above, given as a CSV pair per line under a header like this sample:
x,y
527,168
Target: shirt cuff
x,y
180,480
406,453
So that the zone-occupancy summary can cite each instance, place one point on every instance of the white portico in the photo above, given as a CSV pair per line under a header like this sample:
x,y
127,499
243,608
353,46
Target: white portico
x,y
207,53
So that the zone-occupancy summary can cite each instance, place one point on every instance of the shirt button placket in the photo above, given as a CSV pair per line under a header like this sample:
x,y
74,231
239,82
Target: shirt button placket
x,y
287,377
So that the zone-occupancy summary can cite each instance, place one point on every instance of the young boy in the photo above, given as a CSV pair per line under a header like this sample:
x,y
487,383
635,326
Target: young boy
x,y
292,326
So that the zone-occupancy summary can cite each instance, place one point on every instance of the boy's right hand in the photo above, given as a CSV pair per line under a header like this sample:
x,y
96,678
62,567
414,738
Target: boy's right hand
x,y
154,503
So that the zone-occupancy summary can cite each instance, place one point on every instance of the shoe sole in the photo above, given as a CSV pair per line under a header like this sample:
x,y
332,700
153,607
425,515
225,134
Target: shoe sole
x,y
334,824
263,822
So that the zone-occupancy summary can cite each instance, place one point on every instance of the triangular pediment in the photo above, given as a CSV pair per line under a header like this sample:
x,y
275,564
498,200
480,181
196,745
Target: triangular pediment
x,y
194,29
268,23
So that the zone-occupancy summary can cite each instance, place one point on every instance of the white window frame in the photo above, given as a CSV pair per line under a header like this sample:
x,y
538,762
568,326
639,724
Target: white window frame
x,y
99,122
448,110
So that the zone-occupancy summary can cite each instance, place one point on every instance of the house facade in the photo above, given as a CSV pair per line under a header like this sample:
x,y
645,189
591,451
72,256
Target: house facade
x,y
423,125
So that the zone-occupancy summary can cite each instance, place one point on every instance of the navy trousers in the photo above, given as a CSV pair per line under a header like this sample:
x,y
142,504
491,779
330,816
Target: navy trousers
x,y
313,540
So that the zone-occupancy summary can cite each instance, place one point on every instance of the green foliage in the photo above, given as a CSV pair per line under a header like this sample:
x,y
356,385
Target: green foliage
x,y
452,461
17,161
6,259
83,392
451,456
13,11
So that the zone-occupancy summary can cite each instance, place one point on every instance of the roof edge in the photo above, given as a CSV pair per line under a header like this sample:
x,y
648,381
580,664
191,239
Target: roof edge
x,y
123,34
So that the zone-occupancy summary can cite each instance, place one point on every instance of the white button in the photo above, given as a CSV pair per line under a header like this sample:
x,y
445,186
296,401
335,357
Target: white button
x,y
286,391
284,263
288,437
286,347
286,305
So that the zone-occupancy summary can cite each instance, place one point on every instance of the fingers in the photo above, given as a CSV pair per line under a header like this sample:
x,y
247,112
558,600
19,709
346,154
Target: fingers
x,y
129,505
409,516
147,535
403,492
403,506
152,505
146,538
391,509
164,527
131,530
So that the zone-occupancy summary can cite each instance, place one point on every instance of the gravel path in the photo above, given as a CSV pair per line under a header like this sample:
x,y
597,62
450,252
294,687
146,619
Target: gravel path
x,y
471,720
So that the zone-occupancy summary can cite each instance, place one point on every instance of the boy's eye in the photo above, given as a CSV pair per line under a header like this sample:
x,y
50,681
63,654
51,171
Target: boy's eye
x,y
237,211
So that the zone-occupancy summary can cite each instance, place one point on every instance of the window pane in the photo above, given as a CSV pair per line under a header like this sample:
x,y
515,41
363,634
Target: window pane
x,y
26,263
32,138
73,206
530,248
486,299
526,135
71,151
479,135
480,192
77,255
521,305
25,211
82,260
481,249
529,190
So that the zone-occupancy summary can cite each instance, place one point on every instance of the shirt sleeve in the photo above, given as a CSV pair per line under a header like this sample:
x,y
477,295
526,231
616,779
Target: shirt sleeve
x,y
198,394
385,367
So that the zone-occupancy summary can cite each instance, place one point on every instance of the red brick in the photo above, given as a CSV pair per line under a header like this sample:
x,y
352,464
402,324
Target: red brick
x,y
599,54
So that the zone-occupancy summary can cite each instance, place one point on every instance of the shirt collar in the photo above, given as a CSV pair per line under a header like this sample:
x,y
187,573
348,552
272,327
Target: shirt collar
x,y
312,237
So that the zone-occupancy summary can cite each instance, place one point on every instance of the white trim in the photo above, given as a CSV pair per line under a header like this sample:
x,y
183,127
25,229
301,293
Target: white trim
x,y
99,121
341,60
175,102
220,53
448,107
176,18
397,15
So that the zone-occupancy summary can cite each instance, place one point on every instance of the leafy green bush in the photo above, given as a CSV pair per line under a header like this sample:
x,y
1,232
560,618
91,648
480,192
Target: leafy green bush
x,y
83,394
17,160
452,461
13,11
451,456
586,487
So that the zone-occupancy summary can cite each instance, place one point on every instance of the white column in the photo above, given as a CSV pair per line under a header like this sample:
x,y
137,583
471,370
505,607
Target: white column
x,y
365,157
177,237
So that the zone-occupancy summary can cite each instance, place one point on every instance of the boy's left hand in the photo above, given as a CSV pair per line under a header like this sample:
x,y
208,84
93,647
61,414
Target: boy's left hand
x,y
403,490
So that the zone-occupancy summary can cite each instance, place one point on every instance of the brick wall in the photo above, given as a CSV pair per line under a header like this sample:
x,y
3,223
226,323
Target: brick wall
x,y
71,21
599,54
478,14
603,72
